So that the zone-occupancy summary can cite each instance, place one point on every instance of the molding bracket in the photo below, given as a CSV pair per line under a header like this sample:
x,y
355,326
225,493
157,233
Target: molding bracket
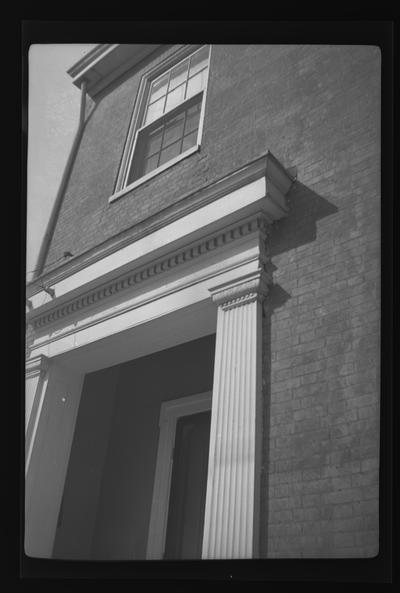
x,y
37,365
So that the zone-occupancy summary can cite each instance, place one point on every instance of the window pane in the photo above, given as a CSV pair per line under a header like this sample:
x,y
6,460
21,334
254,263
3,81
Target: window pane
x,y
154,142
175,97
169,153
192,118
174,130
189,141
150,164
196,83
199,60
178,75
155,110
158,88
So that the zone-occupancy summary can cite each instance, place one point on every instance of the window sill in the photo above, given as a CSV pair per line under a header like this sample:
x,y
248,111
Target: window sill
x,y
152,174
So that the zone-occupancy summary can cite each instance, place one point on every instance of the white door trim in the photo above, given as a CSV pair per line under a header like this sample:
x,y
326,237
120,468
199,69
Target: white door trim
x,y
170,412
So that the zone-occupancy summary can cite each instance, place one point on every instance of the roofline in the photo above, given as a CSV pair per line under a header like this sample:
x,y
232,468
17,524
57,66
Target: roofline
x,y
107,61
89,59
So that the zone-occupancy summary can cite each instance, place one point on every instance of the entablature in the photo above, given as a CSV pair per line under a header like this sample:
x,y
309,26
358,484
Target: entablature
x,y
245,202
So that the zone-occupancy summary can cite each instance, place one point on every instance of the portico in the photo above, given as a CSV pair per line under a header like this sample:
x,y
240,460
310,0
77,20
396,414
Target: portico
x,y
204,272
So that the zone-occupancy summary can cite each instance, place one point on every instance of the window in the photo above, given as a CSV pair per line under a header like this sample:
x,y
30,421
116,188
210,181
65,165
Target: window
x,y
169,137
167,123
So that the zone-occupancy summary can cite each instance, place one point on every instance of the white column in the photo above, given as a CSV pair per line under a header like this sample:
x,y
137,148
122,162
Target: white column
x,y
35,380
232,500
35,371
47,457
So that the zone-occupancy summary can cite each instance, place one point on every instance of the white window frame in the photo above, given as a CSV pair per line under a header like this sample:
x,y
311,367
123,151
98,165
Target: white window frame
x,y
135,127
170,412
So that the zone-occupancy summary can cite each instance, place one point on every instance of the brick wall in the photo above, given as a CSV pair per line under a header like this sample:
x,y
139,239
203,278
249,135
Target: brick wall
x,y
321,334
316,108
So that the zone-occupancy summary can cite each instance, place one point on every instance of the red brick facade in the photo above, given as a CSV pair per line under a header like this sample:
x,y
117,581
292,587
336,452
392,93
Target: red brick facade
x,y
316,108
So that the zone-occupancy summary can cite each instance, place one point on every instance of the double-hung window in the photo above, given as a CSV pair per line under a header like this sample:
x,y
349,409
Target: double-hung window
x,y
168,118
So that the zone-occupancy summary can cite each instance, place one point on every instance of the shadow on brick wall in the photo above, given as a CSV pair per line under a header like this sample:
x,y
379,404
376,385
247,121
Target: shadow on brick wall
x,y
277,297
299,227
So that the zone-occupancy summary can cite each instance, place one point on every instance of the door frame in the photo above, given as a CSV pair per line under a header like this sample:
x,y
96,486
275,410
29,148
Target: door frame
x,y
170,412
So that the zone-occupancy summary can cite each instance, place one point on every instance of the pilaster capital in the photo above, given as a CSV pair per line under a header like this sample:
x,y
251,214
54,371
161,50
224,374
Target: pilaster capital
x,y
245,290
38,365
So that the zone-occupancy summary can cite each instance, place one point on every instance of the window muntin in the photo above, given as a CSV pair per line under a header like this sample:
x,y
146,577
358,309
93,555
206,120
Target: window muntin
x,y
171,118
167,138
173,87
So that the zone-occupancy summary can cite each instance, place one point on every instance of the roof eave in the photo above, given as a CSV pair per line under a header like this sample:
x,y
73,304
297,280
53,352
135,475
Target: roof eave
x,y
105,62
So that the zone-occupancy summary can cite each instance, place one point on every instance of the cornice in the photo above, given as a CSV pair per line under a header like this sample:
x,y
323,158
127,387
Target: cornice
x,y
258,223
106,62
279,182
89,59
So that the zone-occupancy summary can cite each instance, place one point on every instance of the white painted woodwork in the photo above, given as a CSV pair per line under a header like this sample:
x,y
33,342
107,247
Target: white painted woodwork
x,y
101,316
170,412
161,239
260,186
235,198
138,115
49,457
167,318
34,375
61,395
155,302
231,514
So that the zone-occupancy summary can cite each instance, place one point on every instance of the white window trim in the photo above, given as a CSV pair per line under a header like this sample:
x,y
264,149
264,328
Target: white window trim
x,y
135,128
155,172
170,412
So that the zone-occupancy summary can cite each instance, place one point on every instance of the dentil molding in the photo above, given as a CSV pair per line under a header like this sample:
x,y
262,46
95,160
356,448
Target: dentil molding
x,y
258,223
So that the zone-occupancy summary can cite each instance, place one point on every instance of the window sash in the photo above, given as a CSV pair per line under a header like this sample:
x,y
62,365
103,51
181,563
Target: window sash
x,y
137,167
161,101
129,159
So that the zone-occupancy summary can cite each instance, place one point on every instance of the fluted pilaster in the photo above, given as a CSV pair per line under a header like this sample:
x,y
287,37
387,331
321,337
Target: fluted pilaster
x,y
232,498
36,369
